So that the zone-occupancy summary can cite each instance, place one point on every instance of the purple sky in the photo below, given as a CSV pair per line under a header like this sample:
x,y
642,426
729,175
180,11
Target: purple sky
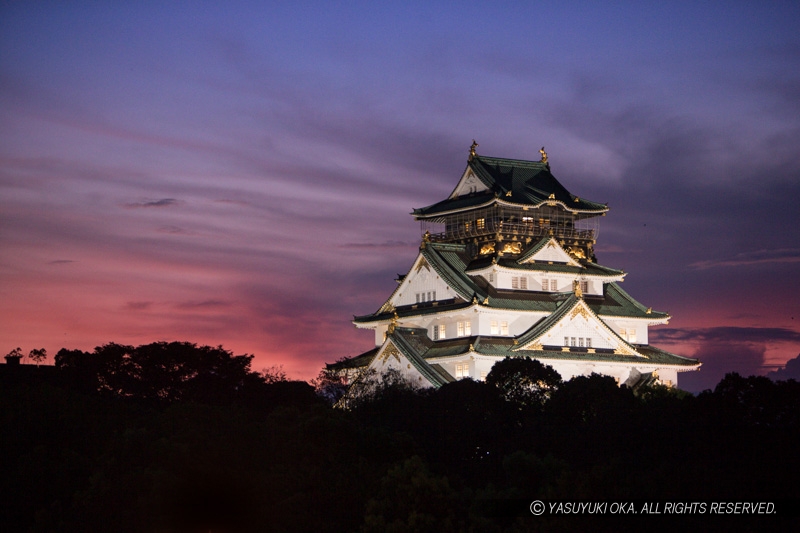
x,y
241,173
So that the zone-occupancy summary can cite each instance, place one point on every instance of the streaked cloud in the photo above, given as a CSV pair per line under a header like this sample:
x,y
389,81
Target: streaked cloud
x,y
756,257
164,202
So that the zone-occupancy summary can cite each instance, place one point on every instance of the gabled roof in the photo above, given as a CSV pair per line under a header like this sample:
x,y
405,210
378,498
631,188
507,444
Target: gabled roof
x,y
529,183
423,353
548,247
570,309
451,263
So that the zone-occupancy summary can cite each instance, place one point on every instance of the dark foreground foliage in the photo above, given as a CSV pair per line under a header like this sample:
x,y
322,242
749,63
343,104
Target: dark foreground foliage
x,y
175,437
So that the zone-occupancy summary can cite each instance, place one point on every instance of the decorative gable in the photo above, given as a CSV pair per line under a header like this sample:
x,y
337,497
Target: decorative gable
x,y
469,184
575,326
548,251
422,284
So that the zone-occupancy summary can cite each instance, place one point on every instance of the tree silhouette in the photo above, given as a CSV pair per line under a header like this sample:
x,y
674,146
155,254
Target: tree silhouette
x,y
160,371
524,381
38,355
14,356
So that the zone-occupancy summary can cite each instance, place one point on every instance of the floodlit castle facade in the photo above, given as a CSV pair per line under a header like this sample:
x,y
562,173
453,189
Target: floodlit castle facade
x,y
506,268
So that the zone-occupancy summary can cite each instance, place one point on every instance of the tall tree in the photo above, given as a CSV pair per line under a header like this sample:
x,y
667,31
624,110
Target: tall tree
x,y
524,381
38,355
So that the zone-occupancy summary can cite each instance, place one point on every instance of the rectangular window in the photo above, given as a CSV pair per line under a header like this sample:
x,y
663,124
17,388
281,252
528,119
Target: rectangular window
x,y
460,329
467,328
553,285
588,342
572,341
441,331
580,342
434,296
503,328
632,335
462,370
429,297
436,333
545,284
494,329
467,226
483,375
491,277
623,333
417,297
566,341
523,282
584,286
480,223
515,282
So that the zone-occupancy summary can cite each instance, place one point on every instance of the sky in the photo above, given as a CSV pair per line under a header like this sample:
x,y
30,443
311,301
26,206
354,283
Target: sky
x,y
241,173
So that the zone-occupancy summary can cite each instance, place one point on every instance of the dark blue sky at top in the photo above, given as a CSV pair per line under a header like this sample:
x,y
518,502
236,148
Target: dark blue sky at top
x,y
241,173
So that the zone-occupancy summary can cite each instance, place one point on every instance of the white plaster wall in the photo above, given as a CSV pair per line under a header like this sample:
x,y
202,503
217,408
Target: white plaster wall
x,y
423,281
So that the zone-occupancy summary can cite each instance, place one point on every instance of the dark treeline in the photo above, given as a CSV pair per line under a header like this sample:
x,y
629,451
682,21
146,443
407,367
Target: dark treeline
x,y
176,437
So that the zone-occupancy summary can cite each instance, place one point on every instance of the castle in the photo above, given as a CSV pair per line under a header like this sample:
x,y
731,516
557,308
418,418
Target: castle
x,y
506,268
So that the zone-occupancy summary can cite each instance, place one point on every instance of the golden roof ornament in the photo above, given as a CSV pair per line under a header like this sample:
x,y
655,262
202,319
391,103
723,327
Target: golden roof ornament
x,y
472,149
486,301
649,310
544,155
426,238
576,287
393,323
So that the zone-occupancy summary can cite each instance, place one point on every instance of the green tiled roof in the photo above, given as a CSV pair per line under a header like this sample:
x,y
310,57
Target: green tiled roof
x,y
418,348
407,342
530,183
617,302
450,262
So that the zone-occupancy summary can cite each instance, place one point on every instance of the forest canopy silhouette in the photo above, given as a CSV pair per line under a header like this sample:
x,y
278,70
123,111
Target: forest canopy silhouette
x,y
180,437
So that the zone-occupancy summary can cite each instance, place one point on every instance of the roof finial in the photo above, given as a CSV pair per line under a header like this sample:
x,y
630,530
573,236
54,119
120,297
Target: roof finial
x,y
576,287
472,149
544,155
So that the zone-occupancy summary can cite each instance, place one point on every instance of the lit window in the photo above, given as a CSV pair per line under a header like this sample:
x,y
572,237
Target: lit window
x,y
503,328
631,335
467,226
460,329
523,282
467,328
480,223
441,331
483,375
527,219
462,370
494,329
553,285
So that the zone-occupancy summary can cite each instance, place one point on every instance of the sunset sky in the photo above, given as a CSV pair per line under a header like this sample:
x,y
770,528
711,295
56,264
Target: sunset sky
x,y
241,173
